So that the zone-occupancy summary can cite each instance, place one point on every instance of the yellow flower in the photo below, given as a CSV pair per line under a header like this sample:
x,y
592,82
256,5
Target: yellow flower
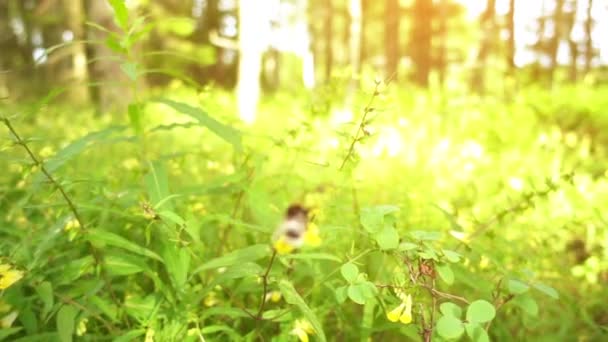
x,y
71,224
149,335
8,276
302,329
210,300
402,313
82,327
273,296
282,246
311,236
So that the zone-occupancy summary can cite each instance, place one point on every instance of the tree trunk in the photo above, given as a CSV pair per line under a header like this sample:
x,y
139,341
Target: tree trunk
x,y
589,53
253,28
511,38
329,33
114,92
391,37
420,42
354,42
78,91
487,25
557,37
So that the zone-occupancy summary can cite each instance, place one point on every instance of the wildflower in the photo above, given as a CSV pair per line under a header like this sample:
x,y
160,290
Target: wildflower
x,y
210,300
149,335
273,296
402,313
82,327
8,276
282,246
302,329
71,224
311,236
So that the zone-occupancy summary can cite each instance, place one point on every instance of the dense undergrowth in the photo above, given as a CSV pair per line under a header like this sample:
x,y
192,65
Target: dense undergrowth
x,y
490,213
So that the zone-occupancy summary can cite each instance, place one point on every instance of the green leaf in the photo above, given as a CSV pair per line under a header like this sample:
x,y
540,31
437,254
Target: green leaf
x,y
135,117
476,332
130,336
170,216
123,264
517,287
121,14
240,270
407,246
480,311
527,304
225,132
356,293
157,185
107,308
451,256
98,236
313,256
250,253
341,294
350,272
423,235
66,322
6,332
387,238
45,292
77,146
130,69
373,218
548,290
445,273
292,297
177,263
450,309
450,327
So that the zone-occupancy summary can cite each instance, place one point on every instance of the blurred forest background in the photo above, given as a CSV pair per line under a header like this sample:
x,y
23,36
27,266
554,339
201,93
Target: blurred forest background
x,y
453,150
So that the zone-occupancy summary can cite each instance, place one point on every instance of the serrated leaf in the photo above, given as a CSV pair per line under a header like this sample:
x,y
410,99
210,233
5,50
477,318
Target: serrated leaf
x,y
445,273
387,238
250,253
517,287
177,264
476,332
66,322
223,131
449,327
480,311
548,290
98,236
350,272
450,309
292,297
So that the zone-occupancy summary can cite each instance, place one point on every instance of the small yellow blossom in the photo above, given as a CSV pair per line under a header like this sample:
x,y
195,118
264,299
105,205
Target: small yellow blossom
x,y
402,313
302,329
282,246
210,300
273,296
8,276
82,327
46,152
149,335
311,236
71,224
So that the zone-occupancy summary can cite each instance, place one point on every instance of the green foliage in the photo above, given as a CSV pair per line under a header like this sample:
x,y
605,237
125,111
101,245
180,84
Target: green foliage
x,y
167,231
